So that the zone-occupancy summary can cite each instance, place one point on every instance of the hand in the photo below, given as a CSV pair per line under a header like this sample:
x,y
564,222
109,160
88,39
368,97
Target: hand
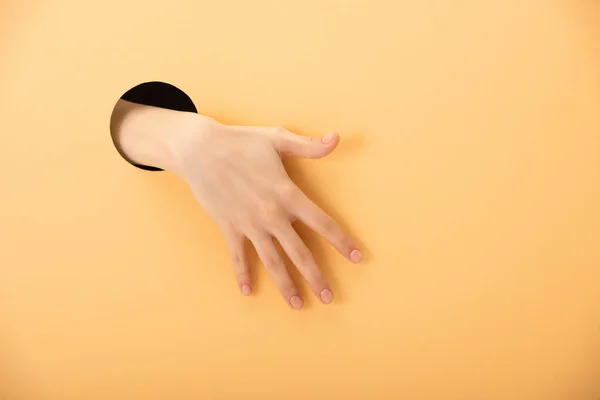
x,y
237,176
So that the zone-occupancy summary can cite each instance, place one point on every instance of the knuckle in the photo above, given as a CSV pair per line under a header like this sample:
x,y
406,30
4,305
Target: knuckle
x,y
242,277
315,278
254,230
329,227
270,210
237,259
271,261
302,256
227,227
287,192
347,244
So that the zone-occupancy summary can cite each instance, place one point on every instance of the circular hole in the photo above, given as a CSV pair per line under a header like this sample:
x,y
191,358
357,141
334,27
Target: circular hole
x,y
158,94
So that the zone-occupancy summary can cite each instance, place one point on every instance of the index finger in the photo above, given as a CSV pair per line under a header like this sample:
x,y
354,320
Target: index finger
x,y
319,221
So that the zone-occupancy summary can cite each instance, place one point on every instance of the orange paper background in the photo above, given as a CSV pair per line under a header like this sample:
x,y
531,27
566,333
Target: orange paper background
x,y
469,169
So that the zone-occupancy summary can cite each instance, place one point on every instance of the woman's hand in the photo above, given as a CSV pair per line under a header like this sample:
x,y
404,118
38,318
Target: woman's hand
x,y
237,176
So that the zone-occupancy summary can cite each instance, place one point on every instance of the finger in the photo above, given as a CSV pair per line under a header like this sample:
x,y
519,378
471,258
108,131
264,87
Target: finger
x,y
301,256
316,219
275,266
239,259
291,144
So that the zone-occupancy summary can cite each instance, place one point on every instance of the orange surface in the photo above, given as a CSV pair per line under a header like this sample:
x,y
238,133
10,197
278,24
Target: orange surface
x,y
469,169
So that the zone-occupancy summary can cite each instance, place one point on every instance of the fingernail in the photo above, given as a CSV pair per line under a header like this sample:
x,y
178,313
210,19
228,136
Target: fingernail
x,y
246,290
356,256
328,138
326,296
296,302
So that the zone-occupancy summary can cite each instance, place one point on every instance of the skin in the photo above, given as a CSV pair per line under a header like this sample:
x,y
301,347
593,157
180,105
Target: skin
x,y
237,175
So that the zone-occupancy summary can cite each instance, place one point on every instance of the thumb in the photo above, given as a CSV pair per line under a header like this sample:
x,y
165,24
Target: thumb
x,y
291,144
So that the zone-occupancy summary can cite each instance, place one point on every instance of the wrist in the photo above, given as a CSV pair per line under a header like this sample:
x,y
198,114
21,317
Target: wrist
x,y
189,134
152,136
